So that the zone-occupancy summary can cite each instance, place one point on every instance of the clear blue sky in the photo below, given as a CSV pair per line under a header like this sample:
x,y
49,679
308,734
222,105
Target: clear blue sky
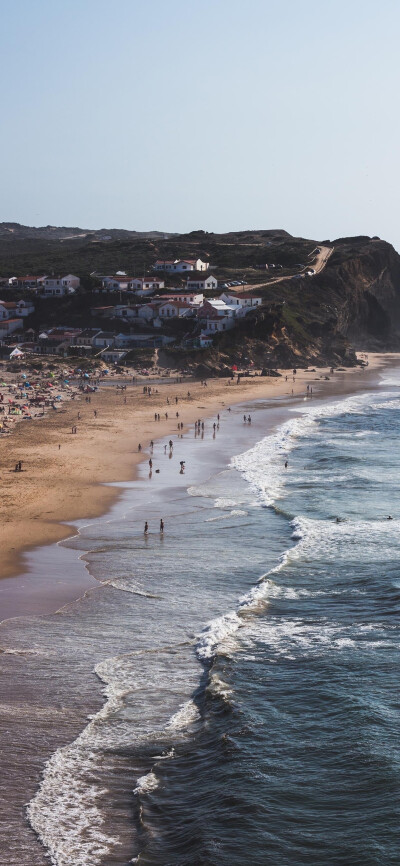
x,y
214,114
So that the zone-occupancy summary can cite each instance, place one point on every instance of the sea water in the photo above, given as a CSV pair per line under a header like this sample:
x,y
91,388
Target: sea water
x,y
228,693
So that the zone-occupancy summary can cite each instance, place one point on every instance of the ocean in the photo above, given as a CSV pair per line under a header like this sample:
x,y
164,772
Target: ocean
x,y
224,693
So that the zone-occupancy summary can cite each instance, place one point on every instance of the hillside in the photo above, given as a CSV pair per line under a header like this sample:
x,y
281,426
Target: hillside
x,y
352,303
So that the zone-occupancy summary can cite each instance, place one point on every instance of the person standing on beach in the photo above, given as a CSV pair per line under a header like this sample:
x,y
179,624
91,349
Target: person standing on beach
x,y
161,526
146,528
139,447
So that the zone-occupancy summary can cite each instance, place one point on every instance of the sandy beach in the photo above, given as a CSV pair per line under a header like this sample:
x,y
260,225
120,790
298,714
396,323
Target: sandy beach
x,y
63,474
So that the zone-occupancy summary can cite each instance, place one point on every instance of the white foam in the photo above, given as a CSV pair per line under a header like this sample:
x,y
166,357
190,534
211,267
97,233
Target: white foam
x,y
146,784
185,716
213,635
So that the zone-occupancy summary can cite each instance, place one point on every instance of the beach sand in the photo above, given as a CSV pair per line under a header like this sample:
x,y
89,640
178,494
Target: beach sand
x,y
64,474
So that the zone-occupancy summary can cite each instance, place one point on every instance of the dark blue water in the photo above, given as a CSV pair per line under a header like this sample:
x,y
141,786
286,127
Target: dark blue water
x,y
298,758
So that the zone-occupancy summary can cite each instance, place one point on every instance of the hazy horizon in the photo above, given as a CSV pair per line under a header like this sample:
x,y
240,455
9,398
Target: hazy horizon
x,y
219,115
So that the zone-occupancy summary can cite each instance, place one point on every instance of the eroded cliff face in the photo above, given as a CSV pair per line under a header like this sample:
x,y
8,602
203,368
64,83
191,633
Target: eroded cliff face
x,y
354,304
362,280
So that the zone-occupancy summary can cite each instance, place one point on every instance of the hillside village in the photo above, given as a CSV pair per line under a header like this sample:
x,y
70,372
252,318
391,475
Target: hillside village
x,y
182,304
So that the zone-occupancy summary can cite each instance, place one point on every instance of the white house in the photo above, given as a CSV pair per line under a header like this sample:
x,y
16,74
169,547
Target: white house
x,y
113,356
70,281
149,311
8,326
85,338
215,324
241,299
201,284
53,288
180,265
192,298
10,309
103,340
117,283
146,285
124,311
175,309
215,307
25,308
123,341
205,341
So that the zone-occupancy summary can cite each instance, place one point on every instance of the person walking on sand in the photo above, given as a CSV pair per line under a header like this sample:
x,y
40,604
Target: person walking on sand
x,y
161,526
139,448
146,528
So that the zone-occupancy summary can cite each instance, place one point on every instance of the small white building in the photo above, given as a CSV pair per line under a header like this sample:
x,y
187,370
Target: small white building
x,y
175,309
53,288
215,307
180,266
143,286
192,298
125,311
11,309
205,341
117,283
241,299
85,338
149,311
201,284
215,324
103,340
113,356
8,326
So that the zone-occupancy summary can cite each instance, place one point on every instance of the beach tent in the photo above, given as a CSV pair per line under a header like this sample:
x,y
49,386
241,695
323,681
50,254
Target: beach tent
x,y
16,353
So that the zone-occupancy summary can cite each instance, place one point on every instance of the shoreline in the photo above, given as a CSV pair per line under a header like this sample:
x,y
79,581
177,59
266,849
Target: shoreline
x,y
70,496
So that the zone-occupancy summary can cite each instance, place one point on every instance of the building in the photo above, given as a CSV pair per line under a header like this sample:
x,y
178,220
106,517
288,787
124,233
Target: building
x,y
180,266
70,281
10,309
216,323
103,340
192,298
113,356
86,337
117,283
215,307
241,299
53,288
8,326
125,311
175,309
199,283
144,286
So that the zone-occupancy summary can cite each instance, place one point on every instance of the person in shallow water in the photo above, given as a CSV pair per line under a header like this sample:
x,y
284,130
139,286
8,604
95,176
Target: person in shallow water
x,y
161,525
146,528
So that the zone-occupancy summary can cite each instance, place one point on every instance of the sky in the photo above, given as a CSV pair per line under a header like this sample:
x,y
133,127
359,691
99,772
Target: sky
x,y
219,115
